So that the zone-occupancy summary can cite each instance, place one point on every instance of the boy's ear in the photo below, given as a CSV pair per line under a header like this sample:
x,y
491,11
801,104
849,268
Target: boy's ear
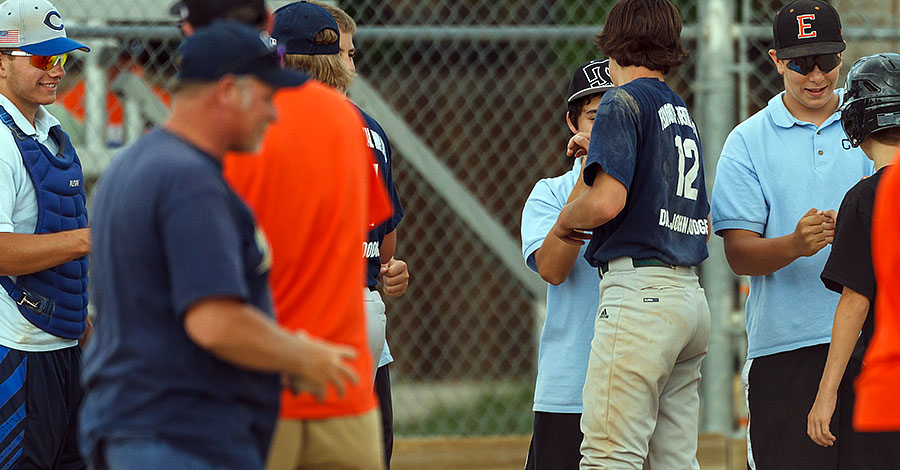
x,y
571,124
778,65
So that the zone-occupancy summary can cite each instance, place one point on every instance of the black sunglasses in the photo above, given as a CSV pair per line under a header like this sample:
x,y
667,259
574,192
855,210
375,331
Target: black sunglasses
x,y
804,65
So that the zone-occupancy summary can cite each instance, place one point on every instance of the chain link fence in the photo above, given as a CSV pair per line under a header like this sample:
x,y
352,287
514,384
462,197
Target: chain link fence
x,y
472,94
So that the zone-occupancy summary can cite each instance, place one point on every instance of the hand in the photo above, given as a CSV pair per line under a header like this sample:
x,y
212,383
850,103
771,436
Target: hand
x,y
569,235
813,232
578,144
819,419
830,222
394,277
322,364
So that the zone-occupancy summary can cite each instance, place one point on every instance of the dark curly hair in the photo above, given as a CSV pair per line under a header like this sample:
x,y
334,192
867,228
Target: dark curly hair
x,y
643,33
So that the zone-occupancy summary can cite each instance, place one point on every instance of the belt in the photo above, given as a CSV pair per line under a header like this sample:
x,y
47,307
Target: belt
x,y
637,263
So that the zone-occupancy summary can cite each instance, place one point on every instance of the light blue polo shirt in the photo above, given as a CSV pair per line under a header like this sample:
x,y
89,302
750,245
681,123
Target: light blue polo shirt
x,y
571,306
772,170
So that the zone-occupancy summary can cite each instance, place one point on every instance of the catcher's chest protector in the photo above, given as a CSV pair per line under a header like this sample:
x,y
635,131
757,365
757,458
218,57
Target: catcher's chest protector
x,y
55,300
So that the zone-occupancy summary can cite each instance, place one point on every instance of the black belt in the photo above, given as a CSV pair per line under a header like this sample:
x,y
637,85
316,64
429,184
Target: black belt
x,y
637,263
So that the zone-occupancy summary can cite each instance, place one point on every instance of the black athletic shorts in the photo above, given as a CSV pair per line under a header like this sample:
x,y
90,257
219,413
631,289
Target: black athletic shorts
x,y
556,442
40,392
782,390
880,450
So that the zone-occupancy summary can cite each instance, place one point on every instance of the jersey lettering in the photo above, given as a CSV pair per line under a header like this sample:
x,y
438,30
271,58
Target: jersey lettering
x,y
683,224
371,249
375,141
687,148
669,115
806,30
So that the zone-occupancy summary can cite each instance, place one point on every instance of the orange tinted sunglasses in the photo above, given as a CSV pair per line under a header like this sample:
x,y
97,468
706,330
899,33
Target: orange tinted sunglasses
x,y
43,62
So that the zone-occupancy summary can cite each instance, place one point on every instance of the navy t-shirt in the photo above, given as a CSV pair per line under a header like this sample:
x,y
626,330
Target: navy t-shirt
x,y
381,148
644,137
168,232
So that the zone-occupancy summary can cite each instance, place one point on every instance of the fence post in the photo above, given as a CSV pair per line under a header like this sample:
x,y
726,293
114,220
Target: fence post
x,y
95,99
716,112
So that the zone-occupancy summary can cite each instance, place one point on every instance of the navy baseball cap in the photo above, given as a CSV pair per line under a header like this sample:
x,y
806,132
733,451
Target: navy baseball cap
x,y
590,77
807,28
231,48
35,27
296,27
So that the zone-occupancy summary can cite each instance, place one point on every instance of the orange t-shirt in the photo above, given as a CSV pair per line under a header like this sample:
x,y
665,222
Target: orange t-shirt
x,y
878,386
313,192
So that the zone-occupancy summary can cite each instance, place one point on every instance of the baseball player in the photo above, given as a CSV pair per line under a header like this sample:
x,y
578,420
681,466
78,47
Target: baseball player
x,y
342,432
780,177
44,241
647,208
182,370
571,296
867,116
381,245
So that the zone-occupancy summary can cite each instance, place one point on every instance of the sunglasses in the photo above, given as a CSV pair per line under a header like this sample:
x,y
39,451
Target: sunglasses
x,y
804,65
43,62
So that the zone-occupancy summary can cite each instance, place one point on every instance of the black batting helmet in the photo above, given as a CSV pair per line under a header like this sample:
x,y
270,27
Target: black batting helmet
x,y
871,97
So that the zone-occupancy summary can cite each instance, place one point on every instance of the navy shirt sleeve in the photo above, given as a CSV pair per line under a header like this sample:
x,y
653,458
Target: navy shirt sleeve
x,y
614,139
202,246
388,172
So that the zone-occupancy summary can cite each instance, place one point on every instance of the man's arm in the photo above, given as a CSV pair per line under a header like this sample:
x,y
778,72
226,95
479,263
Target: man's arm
x,y
851,313
239,334
388,246
748,253
555,258
29,253
599,204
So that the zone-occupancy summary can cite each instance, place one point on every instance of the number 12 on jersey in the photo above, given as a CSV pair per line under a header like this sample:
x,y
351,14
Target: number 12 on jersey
x,y
687,149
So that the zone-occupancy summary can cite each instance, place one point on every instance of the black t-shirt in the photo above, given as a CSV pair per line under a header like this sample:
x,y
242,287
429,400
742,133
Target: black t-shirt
x,y
850,262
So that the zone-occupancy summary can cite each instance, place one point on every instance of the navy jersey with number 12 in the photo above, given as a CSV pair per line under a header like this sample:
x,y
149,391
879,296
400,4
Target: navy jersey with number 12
x,y
644,137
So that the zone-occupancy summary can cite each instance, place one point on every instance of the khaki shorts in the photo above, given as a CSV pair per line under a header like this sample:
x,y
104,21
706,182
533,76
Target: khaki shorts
x,y
348,443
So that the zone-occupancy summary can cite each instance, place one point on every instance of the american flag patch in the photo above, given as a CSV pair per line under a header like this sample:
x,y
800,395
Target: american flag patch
x,y
10,36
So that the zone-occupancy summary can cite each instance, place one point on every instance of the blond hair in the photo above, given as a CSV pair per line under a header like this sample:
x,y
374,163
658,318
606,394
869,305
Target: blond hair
x,y
326,68
344,21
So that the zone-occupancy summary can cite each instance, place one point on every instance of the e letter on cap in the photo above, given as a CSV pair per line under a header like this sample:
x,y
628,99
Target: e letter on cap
x,y
806,30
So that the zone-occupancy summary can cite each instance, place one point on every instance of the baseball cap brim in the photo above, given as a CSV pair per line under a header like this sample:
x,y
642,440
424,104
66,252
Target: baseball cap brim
x,y
55,46
281,78
813,48
589,91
